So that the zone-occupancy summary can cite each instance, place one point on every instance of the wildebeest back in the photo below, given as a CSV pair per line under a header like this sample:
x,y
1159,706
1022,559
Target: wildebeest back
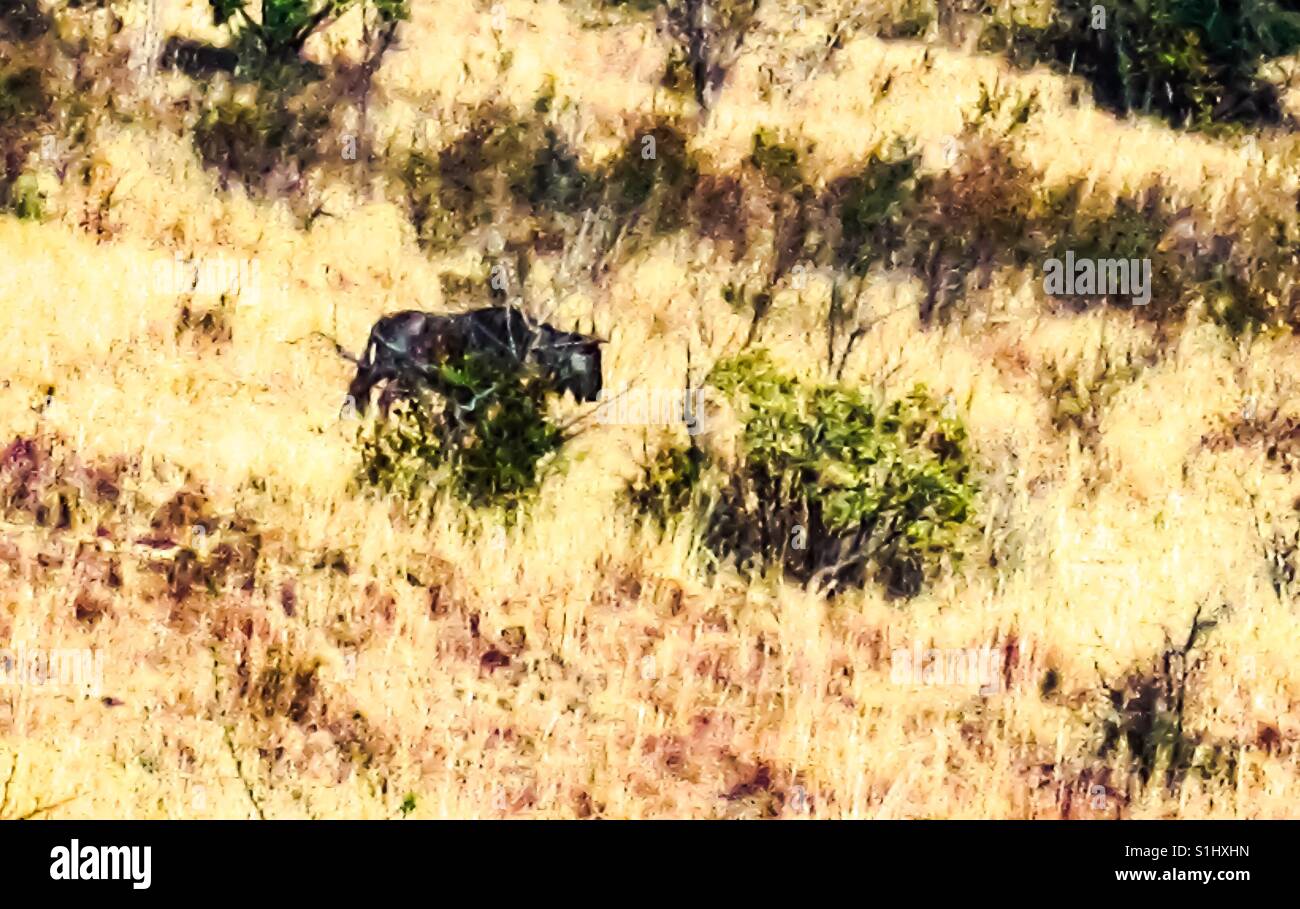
x,y
410,346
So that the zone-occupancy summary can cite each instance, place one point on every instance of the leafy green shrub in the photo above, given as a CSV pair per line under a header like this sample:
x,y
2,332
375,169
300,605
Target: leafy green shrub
x,y
1194,62
829,487
487,437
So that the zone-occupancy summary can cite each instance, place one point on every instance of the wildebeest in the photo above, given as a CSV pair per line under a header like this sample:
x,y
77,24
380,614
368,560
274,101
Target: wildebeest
x,y
408,349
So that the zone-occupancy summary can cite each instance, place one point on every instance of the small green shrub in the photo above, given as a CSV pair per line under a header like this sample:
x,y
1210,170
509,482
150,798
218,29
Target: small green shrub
x,y
775,159
556,182
284,26
486,437
511,171
872,205
669,484
26,198
653,178
827,486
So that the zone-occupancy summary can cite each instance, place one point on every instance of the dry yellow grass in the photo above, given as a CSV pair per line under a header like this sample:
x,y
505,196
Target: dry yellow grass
x,y
357,669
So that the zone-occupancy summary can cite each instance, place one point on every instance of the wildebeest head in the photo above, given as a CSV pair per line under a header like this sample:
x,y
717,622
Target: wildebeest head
x,y
571,361
403,347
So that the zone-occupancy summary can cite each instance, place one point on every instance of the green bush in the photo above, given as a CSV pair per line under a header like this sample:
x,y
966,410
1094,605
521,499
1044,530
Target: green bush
x,y
777,160
827,486
486,437
556,181
1194,62
284,26
872,205
26,198
669,485
653,178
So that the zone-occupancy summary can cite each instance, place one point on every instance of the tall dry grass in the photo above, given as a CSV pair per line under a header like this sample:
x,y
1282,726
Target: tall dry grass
x,y
580,664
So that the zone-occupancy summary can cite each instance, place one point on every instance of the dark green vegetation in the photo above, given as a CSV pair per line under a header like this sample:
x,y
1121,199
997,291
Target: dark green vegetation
x,y
830,487
284,26
23,111
1193,62
488,438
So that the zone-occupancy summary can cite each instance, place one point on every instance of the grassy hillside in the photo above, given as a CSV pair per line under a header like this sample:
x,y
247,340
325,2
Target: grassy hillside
x,y
179,493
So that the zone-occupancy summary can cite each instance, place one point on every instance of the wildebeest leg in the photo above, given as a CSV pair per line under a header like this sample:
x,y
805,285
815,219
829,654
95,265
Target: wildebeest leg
x,y
393,392
367,378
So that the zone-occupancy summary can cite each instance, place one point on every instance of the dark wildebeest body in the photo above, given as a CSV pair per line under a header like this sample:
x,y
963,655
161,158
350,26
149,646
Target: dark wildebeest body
x,y
408,349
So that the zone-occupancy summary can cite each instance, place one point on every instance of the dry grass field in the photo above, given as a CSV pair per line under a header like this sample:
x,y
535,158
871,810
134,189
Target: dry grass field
x,y
179,494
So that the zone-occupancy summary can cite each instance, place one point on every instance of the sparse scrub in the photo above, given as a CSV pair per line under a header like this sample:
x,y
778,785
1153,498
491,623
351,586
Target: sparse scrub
x,y
296,609
1133,230
872,205
269,45
943,227
264,145
1079,392
653,178
511,172
1145,728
